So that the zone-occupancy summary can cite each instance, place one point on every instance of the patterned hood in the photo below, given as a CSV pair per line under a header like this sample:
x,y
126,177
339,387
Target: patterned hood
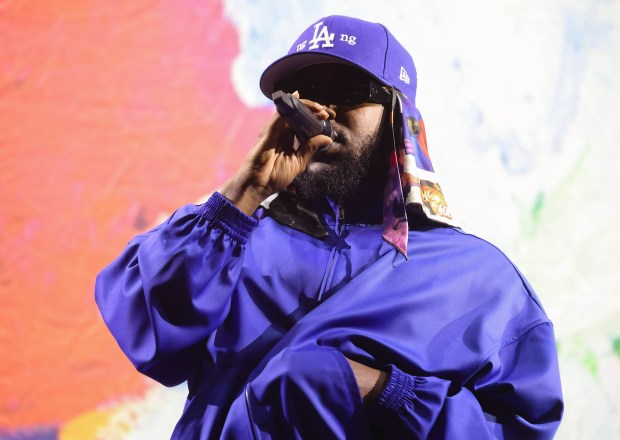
x,y
411,185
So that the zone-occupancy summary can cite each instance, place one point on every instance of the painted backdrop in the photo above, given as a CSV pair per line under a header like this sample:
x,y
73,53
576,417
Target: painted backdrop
x,y
112,114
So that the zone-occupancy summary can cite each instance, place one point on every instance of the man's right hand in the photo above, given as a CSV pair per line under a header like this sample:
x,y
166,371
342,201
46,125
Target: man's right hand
x,y
273,162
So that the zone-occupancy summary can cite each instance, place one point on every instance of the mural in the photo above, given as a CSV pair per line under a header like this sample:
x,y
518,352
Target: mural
x,y
112,114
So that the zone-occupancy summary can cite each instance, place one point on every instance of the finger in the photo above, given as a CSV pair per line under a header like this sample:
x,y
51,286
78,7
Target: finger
x,y
331,112
274,123
276,133
320,110
310,146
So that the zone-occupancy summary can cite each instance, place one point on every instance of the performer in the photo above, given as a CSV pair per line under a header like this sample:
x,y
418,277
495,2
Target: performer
x,y
324,291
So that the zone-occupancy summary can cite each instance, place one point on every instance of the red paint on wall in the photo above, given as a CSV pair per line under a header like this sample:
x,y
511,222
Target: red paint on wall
x,y
110,114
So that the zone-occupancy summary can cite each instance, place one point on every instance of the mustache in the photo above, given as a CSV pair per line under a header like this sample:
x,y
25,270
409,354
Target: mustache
x,y
339,136
340,140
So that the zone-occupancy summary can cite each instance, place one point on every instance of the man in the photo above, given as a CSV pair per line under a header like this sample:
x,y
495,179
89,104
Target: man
x,y
319,294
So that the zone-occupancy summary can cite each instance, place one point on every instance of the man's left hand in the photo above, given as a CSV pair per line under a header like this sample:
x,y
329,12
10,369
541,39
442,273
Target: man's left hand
x,y
369,380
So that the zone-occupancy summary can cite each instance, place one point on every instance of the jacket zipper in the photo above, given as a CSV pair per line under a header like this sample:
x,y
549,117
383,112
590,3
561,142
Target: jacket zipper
x,y
339,226
247,404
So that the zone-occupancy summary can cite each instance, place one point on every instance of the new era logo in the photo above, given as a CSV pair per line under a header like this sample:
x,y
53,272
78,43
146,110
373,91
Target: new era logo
x,y
403,75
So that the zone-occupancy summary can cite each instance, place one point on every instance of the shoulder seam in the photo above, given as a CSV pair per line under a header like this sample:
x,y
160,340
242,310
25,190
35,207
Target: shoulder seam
x,y
502,344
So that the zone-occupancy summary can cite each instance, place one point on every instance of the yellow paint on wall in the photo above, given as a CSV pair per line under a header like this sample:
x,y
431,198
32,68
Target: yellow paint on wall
x,y
87,426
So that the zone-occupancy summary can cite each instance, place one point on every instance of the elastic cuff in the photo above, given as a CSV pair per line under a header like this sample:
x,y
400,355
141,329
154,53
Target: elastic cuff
x,y
399,389
219,211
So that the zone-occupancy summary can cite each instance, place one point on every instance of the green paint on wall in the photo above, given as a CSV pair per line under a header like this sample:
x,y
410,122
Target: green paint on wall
x,y
539,202
542,211
616,345
591,363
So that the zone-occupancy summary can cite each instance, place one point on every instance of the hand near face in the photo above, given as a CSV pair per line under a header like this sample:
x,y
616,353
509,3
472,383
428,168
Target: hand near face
x,y
273,162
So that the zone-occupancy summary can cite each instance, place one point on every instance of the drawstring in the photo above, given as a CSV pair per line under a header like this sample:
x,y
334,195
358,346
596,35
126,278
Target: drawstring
x,y
395,225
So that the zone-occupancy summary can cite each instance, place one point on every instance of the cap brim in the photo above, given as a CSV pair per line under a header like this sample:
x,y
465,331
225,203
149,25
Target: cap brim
x,y
290,64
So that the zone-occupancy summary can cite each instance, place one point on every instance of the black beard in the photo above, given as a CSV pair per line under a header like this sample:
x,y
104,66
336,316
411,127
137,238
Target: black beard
x,y
341,180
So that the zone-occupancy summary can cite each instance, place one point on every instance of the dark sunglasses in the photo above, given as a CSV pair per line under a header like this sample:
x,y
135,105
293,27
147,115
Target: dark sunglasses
x,y
345,93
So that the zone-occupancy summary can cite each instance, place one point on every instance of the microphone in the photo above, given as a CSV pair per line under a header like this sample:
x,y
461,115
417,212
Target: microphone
x,y
303,121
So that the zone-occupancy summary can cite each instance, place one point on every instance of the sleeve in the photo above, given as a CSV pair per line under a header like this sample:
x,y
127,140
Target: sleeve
x,y
172,287
516,394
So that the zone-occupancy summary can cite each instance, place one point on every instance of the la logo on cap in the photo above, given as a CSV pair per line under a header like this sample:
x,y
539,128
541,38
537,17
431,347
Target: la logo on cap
x,y
322,35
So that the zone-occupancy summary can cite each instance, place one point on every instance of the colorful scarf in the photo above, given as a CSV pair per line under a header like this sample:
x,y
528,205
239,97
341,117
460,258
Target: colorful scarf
x,y
411,183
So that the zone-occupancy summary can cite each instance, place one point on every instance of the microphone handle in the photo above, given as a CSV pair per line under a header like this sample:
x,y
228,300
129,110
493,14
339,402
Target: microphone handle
x,y
303,121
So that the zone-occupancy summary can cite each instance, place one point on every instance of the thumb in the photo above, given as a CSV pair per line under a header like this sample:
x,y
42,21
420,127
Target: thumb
x,y
310,146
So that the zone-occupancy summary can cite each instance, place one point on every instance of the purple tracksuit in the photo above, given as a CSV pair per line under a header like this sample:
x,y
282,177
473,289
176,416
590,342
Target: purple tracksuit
x,y
259,317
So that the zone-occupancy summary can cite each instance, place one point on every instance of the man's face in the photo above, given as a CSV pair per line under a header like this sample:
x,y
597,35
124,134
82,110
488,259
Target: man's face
x,y
357,152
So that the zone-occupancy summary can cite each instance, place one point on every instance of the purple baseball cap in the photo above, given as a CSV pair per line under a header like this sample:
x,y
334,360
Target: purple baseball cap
x,y
339,39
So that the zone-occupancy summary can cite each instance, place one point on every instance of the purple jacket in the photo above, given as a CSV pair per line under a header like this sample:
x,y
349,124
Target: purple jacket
x,y
258,317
